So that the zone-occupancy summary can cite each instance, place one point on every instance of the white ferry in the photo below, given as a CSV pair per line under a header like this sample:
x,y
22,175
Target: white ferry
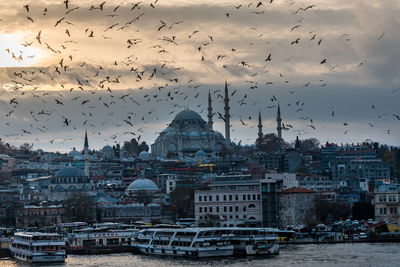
x,y
38,247
189,242
90,237
254,241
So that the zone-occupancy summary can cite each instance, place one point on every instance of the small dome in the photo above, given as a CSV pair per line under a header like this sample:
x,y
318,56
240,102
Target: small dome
x,y
74,153
187,115
107,147
70,171
218,134
194,134
142,185
204,133
144,155
201,153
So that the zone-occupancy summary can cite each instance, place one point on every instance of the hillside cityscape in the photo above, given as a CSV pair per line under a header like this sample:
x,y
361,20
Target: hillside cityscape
x,y
195,172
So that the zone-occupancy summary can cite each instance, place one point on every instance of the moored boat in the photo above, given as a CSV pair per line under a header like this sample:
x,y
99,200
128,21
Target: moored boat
x,y
36,247
254,241
189,242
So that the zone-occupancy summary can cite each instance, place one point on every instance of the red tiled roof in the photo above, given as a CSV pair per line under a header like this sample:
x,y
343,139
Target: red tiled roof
x,y
297,190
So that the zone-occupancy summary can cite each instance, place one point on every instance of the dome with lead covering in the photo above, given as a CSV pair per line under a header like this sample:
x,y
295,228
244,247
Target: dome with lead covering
x,y
144,155
187,115
143,185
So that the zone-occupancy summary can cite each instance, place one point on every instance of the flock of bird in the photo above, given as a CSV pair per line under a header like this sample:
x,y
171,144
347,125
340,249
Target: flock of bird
x,y
89,95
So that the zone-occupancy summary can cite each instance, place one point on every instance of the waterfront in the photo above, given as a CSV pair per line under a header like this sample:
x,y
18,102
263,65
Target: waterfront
x,y
356,254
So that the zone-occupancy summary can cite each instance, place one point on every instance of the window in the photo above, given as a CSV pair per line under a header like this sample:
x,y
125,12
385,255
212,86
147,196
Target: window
x,y
224,209
244,208
230,209
236,208
209,198
211,209
254,197
224,197
217,209
217,197
205,209
236,197
244,197
230,197
200,198
384,210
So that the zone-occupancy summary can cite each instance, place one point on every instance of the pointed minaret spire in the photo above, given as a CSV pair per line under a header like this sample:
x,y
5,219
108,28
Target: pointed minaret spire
x,y
279,122
86,144
210,113
260,133
227,115
86,154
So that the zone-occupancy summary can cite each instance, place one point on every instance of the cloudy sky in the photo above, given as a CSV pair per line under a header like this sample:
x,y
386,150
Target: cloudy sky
x,y
333,67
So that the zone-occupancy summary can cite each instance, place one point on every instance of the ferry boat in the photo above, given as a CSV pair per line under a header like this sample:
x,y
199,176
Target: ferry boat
x,y
254,241
35,247
91,240
189,242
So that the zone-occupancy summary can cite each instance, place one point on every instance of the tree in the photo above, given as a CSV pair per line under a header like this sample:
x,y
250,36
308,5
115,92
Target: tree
x,y
269,143
325,209
143,147
182,201
79,206
131,147
134,148
4,147
306,145
26,148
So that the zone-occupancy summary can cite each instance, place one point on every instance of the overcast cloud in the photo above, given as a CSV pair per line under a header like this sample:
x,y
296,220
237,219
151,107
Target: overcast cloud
x,y
358,85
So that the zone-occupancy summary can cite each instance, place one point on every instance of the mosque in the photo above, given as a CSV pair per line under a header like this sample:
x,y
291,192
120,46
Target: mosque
x,y
189,135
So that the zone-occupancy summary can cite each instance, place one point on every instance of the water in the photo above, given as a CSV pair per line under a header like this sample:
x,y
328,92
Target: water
x,y
359,254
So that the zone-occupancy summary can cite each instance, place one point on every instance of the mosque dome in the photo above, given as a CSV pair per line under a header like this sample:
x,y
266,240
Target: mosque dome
x,y
142,185
187,115
144,155
200,154
70,171
107,147
218,135
74,153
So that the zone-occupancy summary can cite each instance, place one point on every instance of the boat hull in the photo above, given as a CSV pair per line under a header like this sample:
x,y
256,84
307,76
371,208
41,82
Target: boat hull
x,y
187,252
40,258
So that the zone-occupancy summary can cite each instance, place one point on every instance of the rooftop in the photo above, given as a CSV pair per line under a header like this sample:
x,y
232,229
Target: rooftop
x,y
297,190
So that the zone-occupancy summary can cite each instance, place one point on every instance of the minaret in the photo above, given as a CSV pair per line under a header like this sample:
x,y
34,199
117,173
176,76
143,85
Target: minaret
x,y
260,133
227,116
279,122
210,113
86,154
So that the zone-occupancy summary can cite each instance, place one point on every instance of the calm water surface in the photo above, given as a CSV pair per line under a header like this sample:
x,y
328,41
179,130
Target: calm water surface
x,y
364,254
